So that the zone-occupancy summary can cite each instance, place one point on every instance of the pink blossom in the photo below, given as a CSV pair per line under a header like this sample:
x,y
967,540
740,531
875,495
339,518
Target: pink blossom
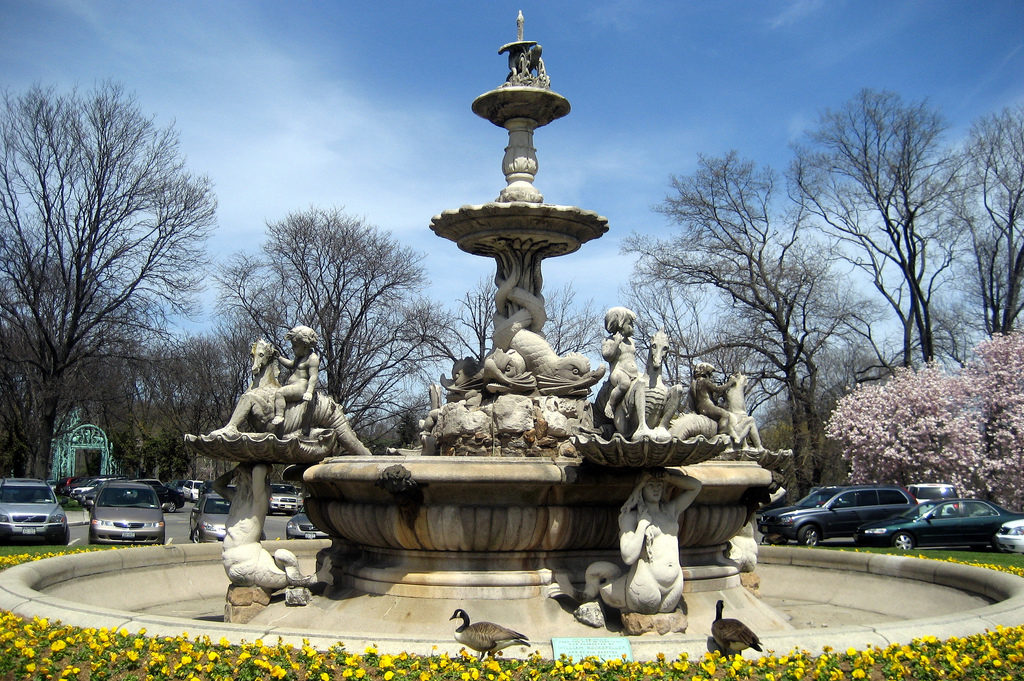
x,y
934,425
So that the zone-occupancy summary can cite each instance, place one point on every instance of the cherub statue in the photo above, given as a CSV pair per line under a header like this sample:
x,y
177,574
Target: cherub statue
x,y
620,353
305,371
705,395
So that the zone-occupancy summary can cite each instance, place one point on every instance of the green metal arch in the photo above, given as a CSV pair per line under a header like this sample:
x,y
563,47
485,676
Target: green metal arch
x,y
83,437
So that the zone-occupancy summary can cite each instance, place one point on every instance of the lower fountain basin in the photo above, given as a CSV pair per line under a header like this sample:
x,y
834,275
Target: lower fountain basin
x,y
817,597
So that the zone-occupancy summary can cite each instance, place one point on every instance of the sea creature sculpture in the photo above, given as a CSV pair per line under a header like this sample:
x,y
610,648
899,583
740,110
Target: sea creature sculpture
x,y
746,433
245,560
649,546
649,405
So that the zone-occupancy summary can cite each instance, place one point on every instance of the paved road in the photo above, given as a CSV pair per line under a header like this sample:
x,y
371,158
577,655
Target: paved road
x,y
177,527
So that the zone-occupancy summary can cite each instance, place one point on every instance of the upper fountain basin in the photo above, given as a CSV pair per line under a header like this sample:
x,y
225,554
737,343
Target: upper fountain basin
x,y
505,103
485,229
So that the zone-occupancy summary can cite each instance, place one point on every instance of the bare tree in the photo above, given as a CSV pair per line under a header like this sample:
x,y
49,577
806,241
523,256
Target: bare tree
x,y
359,289
572,326
875,173
101,236
695,330
774,290
992,210
469,326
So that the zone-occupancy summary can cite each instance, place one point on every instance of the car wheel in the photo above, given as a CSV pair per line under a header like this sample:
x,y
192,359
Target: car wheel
x,y
903,541
66,539
168,507
809,535
194,536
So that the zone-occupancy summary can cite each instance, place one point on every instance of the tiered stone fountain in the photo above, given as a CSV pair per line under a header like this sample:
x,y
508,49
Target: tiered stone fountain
x,y
518,489
522,494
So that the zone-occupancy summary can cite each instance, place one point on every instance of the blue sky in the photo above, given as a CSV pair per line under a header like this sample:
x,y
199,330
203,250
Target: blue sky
x,y
285,105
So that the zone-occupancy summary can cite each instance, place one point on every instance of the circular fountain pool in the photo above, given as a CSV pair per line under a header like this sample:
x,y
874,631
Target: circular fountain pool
x,y
818,598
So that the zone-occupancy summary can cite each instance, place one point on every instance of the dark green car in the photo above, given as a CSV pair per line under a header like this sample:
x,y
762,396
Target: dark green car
x,y
939,522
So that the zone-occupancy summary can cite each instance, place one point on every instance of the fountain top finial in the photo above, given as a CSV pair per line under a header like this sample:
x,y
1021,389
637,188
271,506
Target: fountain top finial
x,y
526,92
526,68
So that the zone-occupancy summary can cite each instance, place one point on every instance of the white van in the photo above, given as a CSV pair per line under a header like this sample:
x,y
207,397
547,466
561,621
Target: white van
x,y
191,489
927,491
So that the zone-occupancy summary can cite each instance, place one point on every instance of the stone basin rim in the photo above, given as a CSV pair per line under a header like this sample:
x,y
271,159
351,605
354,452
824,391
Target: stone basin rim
x,y
482,468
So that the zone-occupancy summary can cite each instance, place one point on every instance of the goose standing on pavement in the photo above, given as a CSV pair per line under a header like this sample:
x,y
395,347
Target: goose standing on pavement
x,y
485,637
731,635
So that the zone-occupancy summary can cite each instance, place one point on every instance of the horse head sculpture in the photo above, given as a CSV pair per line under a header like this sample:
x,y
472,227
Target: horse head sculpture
x,y
264,363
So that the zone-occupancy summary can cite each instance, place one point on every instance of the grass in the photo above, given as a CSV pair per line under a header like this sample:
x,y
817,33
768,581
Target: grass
x,y
70,504
40,549
1004,560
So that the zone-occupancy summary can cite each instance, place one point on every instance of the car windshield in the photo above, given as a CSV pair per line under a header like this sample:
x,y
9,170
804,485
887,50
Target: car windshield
x,y
918,511
27,494
282,489
936,492
216,506
128,497
816,498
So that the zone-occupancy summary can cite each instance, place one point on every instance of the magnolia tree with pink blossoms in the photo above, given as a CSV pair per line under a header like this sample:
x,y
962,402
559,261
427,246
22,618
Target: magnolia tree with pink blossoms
x,y
930,425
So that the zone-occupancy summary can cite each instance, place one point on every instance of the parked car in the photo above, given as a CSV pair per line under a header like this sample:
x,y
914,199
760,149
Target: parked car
x,y
284,498
939,522
29,510
1010,536
206,521
126,512
933,490
81,485
66,484
301,527
84,490
191,488
170,499
834,512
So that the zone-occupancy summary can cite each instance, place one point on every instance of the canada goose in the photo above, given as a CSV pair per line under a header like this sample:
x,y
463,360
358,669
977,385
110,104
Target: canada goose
x,y
485,637
731,635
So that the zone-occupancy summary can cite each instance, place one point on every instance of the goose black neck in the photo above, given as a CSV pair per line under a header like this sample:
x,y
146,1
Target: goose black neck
x,y
465,620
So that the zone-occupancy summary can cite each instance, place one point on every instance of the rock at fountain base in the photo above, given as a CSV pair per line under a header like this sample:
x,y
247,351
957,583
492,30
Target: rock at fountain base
x,y
244,603
590,614
297,596
635,624
751,581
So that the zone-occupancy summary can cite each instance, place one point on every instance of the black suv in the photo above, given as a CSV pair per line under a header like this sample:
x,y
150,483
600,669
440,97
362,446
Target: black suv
x,y
834,512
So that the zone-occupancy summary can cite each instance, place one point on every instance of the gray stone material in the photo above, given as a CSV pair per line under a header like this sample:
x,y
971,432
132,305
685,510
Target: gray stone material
x,y
297,596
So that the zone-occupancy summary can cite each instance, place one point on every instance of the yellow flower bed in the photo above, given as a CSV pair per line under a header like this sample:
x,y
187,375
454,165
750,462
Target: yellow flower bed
x,y
41,649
